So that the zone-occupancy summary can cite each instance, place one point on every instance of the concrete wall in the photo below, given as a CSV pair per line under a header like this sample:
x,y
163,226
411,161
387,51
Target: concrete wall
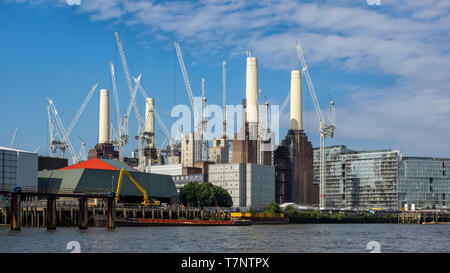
x,y
231,177
172,169
250,185
260,186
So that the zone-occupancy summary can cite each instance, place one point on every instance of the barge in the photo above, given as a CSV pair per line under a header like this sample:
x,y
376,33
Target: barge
x,y
101,221
260,218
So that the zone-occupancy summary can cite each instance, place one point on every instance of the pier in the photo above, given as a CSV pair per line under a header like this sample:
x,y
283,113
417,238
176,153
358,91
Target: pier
x,y
424,217
47,213
75,209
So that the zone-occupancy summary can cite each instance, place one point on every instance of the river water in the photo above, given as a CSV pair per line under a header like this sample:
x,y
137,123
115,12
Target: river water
x,y
297,238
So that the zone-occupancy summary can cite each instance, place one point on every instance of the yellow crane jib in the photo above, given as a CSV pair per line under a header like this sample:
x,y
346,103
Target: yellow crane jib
x,y
147,201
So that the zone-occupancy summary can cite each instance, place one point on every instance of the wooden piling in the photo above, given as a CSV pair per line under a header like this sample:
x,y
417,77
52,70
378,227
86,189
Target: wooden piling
x,y
111,213
51,214
16,211
83,214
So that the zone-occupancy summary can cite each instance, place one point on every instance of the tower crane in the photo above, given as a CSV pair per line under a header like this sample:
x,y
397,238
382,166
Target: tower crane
x,y
122,136
327,126
13,138
64,135
204,123
54,144
80,111
224,98
140,137
82,152
63,131
197,122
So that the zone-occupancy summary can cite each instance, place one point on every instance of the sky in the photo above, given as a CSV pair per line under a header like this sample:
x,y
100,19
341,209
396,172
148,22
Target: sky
x,y
385,65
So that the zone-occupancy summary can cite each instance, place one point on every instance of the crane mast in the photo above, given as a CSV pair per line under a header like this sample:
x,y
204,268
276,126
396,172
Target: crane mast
x,y
63,132
224,98
197,117
140,136
122,137
80,111
325,129
204,123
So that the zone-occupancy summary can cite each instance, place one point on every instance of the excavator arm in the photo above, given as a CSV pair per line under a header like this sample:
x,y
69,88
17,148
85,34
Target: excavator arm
x,y
146,201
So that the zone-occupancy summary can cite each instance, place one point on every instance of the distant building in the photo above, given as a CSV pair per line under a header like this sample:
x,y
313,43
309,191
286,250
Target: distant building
x,y
424,181
383,179
219,152
182,180
293,160
18,169
251,186
190,150
180,175
51,163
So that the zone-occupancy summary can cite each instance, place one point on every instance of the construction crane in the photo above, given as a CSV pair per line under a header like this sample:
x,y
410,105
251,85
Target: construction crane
x,y
61,144
327,126
54,144
121,135
82,152
147,201
13,139
65,137
172,142
224,98
140,137
197,121
80,111
204,123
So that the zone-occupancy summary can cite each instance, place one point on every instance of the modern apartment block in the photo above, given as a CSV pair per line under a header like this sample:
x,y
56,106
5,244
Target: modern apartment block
x,y
424,181
383,179
251,186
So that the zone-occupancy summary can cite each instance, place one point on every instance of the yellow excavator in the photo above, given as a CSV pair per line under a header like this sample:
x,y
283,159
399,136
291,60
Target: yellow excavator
x,y
147,201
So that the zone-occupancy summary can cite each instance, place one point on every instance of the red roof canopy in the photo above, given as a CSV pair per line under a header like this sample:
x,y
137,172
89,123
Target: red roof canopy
x,y
94,163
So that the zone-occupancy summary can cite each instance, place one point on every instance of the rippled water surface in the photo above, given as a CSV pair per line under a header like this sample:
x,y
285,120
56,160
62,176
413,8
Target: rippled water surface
x,y
256,238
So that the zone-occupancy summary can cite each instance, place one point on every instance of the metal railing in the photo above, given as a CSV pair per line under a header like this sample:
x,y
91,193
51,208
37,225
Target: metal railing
x,y
52,190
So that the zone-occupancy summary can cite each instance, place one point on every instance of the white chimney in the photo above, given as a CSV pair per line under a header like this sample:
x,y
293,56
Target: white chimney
x,y
103,128
150,120
296,101
251,89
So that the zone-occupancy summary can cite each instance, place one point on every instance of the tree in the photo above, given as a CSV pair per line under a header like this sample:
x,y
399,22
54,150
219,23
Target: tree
x,y
289,210
274,208
205,195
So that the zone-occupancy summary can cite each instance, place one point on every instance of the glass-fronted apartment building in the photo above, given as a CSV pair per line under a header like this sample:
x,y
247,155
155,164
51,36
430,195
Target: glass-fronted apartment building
x,y
383,179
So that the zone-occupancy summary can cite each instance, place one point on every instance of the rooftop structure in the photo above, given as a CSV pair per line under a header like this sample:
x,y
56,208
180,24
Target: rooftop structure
x,y
100,175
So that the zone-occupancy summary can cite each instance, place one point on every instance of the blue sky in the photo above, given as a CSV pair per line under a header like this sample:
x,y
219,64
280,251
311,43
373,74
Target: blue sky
x,y
385,66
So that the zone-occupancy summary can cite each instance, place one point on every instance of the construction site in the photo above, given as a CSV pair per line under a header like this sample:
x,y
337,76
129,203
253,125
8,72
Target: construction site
x,y
254,169
249,165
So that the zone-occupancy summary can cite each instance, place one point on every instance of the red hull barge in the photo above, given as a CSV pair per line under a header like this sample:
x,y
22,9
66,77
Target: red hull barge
x,y
139,222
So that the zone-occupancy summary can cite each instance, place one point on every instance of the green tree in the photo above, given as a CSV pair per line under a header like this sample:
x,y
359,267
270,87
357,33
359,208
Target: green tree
x,y
273,207
189,193
289,211
205,194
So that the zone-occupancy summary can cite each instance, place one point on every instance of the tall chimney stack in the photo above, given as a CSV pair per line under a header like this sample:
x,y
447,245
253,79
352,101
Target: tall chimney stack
x,y
296,101
103,128
150,120
251,89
